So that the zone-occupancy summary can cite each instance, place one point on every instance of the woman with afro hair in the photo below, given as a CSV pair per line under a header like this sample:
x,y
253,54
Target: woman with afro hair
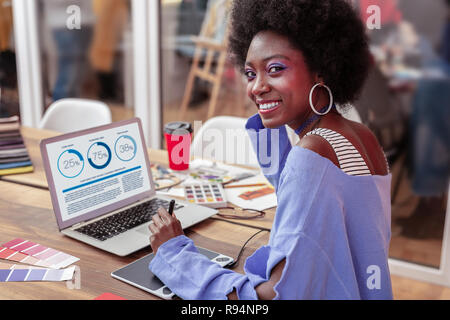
x,y
331,232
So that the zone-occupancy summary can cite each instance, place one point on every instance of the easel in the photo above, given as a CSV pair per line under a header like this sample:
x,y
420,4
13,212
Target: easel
x,y
206,41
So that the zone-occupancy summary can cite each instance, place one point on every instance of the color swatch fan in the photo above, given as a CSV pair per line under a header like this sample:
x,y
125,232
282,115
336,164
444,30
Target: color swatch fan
x,y
28,252
45,264
20,273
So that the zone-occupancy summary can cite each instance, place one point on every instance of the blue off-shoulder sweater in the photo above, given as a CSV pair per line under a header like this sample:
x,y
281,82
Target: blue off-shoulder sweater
x,y
333,229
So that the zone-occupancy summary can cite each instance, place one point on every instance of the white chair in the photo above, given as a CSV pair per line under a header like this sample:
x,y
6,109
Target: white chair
x,y
224,139
350,113
68,115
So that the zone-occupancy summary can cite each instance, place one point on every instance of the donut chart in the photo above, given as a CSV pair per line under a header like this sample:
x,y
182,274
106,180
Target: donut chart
x,y
99,155
70,163
125,148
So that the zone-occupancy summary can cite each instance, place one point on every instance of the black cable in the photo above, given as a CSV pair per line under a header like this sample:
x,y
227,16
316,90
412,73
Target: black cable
x,y
233,264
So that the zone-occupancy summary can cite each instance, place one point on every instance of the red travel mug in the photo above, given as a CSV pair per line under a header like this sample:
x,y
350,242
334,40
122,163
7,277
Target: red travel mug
x,y
178,136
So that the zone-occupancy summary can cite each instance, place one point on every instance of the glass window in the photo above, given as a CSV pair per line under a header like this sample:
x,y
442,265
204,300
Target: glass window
x,y
9,96
86,52
223,92
406,103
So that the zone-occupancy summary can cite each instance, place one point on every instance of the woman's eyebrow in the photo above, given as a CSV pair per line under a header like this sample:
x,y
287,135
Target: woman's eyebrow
x,y
279,56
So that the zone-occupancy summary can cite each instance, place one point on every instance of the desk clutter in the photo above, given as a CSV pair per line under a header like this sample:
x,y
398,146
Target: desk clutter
x,y
14,157
207,194
163,178
44,264
242,187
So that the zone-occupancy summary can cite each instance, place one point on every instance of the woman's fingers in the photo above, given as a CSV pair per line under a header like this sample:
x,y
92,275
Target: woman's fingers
x,y
164,215
154,229
157,220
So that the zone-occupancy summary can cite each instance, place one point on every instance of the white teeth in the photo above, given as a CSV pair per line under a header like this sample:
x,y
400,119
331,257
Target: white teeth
x,y
268,106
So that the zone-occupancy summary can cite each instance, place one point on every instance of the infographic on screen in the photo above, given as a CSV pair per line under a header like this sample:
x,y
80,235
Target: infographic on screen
x,y
98,169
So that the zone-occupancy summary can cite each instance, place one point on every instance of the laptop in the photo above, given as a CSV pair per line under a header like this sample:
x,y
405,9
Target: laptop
x,y
102,188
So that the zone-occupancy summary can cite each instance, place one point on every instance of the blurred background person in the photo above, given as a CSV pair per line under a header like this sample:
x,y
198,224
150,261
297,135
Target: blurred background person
x,y
7,56
9,99
445,42
430,123
71,44
111,20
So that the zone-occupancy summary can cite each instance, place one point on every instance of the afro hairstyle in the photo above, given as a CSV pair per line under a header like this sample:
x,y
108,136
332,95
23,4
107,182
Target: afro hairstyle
x,y
329,33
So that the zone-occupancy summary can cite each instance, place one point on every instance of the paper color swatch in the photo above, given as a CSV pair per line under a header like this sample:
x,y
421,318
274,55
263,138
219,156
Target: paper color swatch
x,y
8,254
25,251
250,195
109,296
18,273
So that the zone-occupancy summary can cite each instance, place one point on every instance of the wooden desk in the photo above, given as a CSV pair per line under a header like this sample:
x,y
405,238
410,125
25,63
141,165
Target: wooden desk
x,y
26,212
37,178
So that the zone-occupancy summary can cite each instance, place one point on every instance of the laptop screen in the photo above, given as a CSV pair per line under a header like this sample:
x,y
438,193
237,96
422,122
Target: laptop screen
x,y
96,171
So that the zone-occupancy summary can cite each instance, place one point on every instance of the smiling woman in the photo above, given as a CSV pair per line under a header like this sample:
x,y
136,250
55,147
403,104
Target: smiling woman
x,y
331,232
278,79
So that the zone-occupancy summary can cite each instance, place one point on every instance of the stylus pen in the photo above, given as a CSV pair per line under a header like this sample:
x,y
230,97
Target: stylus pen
x,y
171,206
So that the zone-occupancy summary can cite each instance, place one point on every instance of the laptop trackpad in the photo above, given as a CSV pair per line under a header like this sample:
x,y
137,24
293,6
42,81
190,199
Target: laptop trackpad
x,y
144,230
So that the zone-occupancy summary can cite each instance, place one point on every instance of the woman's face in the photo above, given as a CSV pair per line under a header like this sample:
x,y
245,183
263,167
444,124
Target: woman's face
x,y
278,80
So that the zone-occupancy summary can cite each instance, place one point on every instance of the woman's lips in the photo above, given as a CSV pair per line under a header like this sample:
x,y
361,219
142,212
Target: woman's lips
x,y
268,106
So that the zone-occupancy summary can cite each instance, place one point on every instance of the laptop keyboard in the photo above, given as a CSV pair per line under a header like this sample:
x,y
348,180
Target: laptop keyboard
x,y
125,220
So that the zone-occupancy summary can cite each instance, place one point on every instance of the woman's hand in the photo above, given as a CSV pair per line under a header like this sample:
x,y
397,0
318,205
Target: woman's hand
x,y
163,228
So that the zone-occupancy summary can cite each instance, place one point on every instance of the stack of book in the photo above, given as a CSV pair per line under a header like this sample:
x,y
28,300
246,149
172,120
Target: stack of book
x,y
14,157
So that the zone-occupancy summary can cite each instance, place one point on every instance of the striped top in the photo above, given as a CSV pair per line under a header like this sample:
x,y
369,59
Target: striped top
x,y
350,160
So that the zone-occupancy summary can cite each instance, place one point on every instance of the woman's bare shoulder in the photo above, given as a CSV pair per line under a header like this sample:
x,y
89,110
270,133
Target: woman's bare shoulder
x,y
359,135
320,146
368,146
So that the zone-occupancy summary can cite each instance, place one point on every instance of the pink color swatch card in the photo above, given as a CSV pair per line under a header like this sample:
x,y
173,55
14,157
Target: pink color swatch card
x,y
28,252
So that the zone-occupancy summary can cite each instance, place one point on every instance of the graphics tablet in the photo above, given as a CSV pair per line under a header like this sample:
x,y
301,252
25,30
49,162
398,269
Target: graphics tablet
x,y
137,273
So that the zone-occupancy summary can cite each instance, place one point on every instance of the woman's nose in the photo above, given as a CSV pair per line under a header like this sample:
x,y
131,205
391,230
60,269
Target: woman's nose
x,y
260,85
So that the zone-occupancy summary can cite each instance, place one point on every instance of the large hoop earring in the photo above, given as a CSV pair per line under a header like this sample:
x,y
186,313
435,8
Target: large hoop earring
x,y
311,103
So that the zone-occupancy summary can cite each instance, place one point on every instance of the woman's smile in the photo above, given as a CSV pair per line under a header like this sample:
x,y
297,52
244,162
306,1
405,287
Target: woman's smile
x,y
268,106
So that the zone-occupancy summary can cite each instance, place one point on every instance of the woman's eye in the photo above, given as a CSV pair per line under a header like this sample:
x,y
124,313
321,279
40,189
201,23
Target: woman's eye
x,y
275,69
250,74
